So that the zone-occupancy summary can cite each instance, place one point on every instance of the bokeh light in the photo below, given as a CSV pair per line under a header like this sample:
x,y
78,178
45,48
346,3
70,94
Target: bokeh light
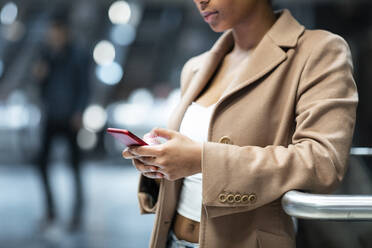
x,y
174,97
120,12
34,115
86,139
131,115
138,111
17,116
142,96
17,112
94,118
110,74
123,34
14,32
9,13
104,53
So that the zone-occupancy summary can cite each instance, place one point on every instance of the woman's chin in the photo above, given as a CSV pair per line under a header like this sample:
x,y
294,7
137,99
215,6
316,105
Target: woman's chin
x,y
217,28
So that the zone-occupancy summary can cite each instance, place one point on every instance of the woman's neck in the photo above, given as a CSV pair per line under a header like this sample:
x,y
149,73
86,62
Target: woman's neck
x,y
249,33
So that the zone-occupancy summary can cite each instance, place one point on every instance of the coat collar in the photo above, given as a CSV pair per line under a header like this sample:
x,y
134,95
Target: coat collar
x,y
268,54
284,33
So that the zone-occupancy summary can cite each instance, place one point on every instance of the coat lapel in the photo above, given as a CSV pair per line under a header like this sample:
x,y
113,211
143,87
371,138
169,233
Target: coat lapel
x,y
267,56
204,73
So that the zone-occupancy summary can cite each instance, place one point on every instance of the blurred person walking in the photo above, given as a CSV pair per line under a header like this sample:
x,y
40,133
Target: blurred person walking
x,y
62,72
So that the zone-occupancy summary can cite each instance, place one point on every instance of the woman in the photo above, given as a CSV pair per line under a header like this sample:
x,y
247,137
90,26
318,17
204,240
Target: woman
x,y
270,108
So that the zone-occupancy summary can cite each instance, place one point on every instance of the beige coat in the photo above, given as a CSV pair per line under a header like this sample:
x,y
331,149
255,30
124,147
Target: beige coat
x,y
285,122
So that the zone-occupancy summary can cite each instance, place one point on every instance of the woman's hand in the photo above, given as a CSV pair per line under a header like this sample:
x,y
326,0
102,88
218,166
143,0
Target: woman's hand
x,y
179,157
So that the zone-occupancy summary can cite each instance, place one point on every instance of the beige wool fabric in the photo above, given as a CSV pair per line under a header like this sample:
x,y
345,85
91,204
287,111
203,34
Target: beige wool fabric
x,y
285,122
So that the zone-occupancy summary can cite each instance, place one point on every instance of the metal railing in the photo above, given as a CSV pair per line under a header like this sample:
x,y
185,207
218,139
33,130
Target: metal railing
x,y
330,207
361,151
327,207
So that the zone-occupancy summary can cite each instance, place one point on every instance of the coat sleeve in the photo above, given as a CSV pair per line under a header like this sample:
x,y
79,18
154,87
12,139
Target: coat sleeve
x,y
148,189
316,159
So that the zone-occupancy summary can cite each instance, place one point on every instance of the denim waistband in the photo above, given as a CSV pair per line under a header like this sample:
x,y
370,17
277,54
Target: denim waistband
x,y
174,242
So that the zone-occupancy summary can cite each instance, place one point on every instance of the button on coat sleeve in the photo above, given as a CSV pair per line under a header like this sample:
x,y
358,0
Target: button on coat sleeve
x,y
316,158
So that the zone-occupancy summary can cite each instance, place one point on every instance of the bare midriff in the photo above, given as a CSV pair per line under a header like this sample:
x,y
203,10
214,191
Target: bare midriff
x,y
186,229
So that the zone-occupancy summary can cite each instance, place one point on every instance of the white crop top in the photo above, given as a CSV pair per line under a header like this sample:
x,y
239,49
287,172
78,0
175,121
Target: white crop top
x,y
194,125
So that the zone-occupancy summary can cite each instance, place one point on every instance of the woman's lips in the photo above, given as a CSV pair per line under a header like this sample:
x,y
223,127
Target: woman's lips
x,y
209,15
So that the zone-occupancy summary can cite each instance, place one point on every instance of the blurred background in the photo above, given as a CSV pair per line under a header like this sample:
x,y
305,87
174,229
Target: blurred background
x,y
127,57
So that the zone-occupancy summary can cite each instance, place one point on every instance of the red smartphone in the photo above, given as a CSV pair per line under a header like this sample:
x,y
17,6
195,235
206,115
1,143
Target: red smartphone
x,y
126,137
